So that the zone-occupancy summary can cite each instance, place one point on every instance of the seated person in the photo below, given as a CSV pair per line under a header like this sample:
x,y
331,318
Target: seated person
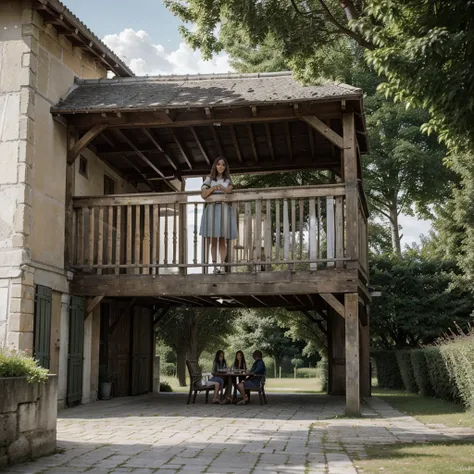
x,y
239,364
255,379
219,364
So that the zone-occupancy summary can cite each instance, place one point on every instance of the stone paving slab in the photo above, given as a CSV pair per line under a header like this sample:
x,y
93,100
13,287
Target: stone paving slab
x,y
305,434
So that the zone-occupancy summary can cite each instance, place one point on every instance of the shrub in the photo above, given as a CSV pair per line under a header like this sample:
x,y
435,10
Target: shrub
x,y
443,383
323,368
406,371
20,364
388,372
459,359
308,372
168,369
270,366
165,387
421,372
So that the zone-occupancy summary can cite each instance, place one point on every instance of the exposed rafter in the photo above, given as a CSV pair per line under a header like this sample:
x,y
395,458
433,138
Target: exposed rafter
x,y
199,144
181,148
268,132
252,141
236,143
159,148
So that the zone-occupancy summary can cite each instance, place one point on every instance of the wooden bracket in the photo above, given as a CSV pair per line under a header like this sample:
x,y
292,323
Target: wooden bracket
x,y
82,143
92,305
324,130
332,301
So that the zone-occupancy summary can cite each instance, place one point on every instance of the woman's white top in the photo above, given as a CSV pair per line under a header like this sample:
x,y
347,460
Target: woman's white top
x,y
209,183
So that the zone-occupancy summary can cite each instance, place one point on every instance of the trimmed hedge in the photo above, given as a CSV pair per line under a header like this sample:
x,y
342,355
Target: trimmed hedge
x,y
406,371
388,371
421,372
307,372
440,378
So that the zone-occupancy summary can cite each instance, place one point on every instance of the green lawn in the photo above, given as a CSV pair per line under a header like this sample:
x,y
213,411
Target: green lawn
x,y
429,458
427,409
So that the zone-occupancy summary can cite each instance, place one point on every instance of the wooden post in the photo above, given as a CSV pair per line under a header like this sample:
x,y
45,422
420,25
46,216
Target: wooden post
x,y
70,190
352,194
336,354
183,237
351,303
364,337
330,238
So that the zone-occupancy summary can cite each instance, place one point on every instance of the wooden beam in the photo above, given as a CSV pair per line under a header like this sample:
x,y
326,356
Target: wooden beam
x,y
143,157
216,139
350,156
93,304
159,148
288,140
252,141
324,130
268,132
83,142
333,302
236,143
235,284
181,148
259,300
199,144
351,307
139,171
158,317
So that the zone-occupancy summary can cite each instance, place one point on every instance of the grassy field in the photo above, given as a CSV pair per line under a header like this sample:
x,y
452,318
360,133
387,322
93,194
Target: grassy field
x,y
427,409
312,385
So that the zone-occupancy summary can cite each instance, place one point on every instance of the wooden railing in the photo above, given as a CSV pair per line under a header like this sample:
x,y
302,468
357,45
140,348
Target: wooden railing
x,y
279,229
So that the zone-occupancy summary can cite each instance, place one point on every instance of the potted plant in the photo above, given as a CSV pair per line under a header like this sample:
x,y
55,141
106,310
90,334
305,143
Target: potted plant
x,y
105,384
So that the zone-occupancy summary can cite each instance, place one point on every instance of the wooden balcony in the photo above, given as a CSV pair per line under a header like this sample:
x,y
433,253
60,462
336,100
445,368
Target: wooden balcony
x,y
149,245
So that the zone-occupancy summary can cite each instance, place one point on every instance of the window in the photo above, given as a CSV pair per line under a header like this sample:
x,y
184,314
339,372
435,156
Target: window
x,y
83,168
109,185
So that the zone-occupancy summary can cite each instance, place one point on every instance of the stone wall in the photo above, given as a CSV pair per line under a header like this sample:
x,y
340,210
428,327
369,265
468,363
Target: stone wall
x,y
28,414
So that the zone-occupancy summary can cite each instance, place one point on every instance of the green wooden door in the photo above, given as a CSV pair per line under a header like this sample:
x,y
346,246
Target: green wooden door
x,y
76,351
42,326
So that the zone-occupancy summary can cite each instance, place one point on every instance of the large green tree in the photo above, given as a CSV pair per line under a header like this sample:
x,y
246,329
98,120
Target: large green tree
x,y
190,331
419,300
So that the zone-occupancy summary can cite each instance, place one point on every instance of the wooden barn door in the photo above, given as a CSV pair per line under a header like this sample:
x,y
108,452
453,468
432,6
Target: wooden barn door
x,y
142,327
42,325
76,351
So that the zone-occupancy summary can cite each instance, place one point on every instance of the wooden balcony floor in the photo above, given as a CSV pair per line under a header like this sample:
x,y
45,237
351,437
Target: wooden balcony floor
x,y
272,289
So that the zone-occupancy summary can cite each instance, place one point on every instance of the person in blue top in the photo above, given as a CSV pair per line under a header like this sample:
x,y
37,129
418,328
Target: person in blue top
x,y
256,378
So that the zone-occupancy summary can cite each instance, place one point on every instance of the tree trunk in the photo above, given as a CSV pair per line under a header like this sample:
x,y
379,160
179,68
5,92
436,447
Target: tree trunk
x,y
396,245
349,9
181,365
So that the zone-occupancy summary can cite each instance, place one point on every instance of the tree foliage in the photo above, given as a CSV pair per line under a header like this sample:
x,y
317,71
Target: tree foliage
x,y
420,300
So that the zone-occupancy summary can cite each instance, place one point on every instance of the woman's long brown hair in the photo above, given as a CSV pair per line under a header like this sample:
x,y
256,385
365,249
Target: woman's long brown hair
x,y
226,174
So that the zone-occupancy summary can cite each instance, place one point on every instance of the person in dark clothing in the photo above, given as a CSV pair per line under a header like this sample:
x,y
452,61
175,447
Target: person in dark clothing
x,y
256,378
218,365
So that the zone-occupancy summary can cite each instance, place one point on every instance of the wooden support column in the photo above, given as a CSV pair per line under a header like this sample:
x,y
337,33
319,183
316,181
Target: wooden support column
x,y
351,303
352,193
336,354
364,352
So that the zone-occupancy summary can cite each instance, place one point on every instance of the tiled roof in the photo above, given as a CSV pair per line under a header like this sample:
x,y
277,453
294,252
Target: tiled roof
x,y
145,93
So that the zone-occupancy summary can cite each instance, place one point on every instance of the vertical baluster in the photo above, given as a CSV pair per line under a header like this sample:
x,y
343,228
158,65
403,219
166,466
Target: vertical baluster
x,y
268,238
146,240
165,254
301,209
158,241
175,232
195,234
100,243
155,238
339,229
183,238
293,229
258,232
110,231
313,235
248,232
233,251
136,256
118,240
330,229
318,245
80,236
277,230
286,231
91,236
129,239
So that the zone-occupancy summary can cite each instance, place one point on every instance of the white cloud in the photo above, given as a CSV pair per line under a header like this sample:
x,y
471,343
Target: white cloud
x,y
145,58
412,228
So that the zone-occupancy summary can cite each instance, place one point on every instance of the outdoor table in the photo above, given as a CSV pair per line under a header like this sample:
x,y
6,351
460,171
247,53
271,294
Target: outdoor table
x,y
231,375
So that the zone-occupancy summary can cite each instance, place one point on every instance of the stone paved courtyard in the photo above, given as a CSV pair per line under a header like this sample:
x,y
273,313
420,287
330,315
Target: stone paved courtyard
x,y
160,433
